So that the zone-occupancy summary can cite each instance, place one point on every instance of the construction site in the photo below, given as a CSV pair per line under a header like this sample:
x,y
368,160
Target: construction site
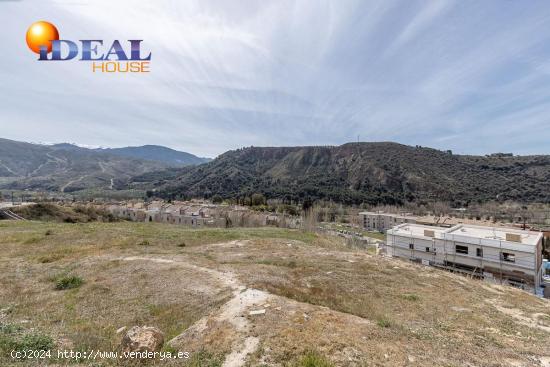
x,y
496,254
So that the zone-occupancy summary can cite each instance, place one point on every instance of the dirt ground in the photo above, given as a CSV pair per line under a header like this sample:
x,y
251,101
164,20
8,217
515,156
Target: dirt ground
x,y
251,297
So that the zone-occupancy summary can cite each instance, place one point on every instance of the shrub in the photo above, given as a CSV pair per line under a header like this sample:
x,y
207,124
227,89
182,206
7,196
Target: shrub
x,y
181,244
383,322
10,328
19,343
257,199
217,199
35,342
289,209
68,282
49,258
312,359
144,243
49,232
410,297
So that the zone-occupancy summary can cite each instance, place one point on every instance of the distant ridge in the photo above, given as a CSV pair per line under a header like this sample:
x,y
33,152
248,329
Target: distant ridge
x,y
67,167
157,153
149,152
357,173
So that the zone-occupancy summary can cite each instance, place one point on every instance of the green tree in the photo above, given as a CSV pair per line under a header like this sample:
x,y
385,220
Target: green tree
x,y
257,199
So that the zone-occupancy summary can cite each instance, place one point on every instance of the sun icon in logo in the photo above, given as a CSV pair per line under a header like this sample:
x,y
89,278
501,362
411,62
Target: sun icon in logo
x,y
41,34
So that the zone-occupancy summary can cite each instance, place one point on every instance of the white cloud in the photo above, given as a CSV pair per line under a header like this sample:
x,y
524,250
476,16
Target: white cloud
x,y
229,74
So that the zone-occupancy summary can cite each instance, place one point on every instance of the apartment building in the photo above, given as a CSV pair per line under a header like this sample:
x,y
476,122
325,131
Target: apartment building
x,y
503,255
381,222
186,215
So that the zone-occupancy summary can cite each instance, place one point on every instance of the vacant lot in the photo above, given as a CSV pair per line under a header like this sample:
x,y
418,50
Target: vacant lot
x,y
72,286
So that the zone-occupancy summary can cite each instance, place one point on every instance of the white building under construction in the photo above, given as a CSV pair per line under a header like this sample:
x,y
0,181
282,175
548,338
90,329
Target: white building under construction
x,y
504,255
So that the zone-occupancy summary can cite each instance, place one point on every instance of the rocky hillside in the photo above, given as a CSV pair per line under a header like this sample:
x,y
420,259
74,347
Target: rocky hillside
x,y
360,172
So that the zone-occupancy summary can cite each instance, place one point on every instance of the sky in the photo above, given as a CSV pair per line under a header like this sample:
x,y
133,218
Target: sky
x,y
470,76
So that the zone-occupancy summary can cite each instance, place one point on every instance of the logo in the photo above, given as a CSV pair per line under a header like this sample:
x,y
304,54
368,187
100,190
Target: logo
x,y
119,57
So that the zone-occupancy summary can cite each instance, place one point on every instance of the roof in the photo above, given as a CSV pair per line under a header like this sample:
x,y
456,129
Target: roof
x,y
468,233
496,233
393,215
416,230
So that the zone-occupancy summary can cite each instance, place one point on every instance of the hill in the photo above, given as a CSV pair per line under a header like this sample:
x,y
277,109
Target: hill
x,y
157,153
67,167
171,157
359,172
317,302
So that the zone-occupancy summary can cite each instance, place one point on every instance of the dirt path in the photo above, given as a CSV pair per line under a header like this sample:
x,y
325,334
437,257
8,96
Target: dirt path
x,y
7,168
71,182
57,159
251,317
232,311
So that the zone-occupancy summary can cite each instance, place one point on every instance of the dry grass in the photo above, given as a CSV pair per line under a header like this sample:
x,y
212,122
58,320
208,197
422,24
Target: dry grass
x,y
348,306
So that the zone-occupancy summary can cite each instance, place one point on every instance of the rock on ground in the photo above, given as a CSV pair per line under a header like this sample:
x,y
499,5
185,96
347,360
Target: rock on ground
x,y
142,339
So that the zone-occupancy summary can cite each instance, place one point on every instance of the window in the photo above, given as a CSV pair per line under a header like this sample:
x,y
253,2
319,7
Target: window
x,y
479,252
411,246
461,249
508,257
427,249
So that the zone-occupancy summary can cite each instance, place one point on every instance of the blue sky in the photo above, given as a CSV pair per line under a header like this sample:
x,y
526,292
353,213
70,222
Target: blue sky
x,y
471,76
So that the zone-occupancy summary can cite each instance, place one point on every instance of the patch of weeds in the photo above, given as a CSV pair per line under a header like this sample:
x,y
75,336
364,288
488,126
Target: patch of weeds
x,y
34,341
205,359
68,282
169,349
312,359
256,356
144,243
410,297
289,264
443,326
5,310
10,328
32,240
49,258
422,334
383,322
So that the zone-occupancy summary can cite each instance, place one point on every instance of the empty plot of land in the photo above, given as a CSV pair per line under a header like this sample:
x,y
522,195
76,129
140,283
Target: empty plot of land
x,y
264,296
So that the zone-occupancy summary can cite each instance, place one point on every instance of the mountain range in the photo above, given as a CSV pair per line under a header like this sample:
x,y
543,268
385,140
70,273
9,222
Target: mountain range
x,y
68,167
148,152
352,173
356,173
